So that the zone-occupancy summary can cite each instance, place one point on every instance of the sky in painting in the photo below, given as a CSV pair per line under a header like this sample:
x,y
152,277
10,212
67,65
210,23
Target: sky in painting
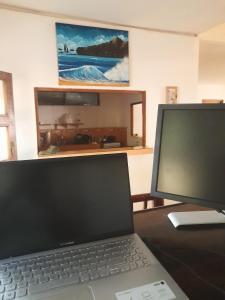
x,y
81,36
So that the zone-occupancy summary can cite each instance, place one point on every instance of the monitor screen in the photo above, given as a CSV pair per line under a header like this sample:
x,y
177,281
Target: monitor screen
x,y
189,158
50,203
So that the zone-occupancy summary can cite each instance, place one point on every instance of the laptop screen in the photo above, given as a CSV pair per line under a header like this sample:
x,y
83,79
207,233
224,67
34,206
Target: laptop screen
x,y
51,203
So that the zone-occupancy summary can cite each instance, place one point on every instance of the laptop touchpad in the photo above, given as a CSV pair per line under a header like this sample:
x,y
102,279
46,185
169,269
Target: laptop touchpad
x,y
78,293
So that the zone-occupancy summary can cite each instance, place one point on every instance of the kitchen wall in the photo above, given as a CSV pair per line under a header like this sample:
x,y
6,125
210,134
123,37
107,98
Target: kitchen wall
x,y
157,60
110,113
113,111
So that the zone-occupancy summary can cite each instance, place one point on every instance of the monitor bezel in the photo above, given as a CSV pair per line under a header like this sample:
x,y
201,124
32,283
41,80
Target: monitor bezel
x,y
156,158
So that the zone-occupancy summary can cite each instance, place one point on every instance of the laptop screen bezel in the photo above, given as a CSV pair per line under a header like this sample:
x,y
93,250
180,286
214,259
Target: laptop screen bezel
x,y
84,239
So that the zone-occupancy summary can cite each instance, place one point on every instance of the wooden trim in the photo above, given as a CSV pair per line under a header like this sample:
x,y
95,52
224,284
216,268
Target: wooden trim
x,y
212,101
132,117
157,201
144,119
8,119
141,198
4,120
37,117
49,89
79,83
147,197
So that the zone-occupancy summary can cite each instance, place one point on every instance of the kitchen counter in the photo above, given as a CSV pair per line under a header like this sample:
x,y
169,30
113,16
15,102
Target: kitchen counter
x,y
128,150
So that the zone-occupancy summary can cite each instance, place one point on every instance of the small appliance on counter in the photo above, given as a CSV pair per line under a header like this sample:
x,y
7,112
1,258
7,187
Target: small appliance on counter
x,y
111,145
110,142
82,139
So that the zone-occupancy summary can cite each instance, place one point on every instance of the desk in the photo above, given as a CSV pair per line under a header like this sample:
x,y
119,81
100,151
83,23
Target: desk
x,y
194,256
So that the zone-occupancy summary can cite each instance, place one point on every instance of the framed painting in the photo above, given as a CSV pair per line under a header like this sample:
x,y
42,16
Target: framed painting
x,y
92,55
171,94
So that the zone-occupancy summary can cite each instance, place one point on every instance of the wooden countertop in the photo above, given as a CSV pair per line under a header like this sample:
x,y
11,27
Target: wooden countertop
x,y
128,150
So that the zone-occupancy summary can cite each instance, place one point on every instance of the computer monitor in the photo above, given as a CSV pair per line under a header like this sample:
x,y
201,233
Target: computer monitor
x,y
189,154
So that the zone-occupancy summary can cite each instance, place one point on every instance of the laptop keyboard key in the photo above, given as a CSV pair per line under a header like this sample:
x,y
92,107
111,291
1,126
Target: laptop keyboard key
x,y
4,274
21,292
10,287
53,277
139,264
53,284
103,272
94,275
114,271
22,284
9,296
84,276
32,281
18,278
6,280
133,265
64,276
2,268
43,279
124,268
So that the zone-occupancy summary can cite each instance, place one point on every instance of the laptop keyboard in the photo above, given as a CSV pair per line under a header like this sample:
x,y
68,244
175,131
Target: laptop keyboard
x,y
19,279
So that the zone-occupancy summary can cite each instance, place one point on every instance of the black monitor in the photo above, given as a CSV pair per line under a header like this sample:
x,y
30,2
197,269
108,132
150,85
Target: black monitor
x,y
189,156
52,203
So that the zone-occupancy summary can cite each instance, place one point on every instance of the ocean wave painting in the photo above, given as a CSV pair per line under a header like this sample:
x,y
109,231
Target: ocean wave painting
x,y
92,56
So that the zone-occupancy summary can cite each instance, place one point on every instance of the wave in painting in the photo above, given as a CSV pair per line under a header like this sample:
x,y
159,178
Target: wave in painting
x,y
119,72
87,73
93,73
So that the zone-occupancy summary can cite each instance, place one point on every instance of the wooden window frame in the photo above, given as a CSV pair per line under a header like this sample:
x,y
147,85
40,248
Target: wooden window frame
x,y
8,120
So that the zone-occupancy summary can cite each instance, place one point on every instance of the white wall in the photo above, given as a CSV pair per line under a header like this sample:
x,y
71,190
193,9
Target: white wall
x,y
211,69
211,91
212,63
28,51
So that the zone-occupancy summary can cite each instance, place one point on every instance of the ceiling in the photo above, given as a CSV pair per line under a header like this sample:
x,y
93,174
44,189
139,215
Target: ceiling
x,y
182,16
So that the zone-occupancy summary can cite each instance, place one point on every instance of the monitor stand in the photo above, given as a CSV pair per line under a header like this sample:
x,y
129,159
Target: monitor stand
x,y
196,218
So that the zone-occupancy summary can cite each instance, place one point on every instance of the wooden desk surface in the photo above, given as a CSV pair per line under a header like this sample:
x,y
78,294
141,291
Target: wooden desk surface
x,y
194,256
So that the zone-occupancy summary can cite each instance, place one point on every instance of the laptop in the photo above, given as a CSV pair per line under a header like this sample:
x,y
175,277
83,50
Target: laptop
x,y
66,232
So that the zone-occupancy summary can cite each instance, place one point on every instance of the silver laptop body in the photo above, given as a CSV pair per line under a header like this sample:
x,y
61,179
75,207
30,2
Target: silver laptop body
x,y
118,267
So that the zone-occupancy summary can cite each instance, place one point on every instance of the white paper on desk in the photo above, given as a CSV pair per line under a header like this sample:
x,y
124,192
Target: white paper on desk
x,y
153,291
